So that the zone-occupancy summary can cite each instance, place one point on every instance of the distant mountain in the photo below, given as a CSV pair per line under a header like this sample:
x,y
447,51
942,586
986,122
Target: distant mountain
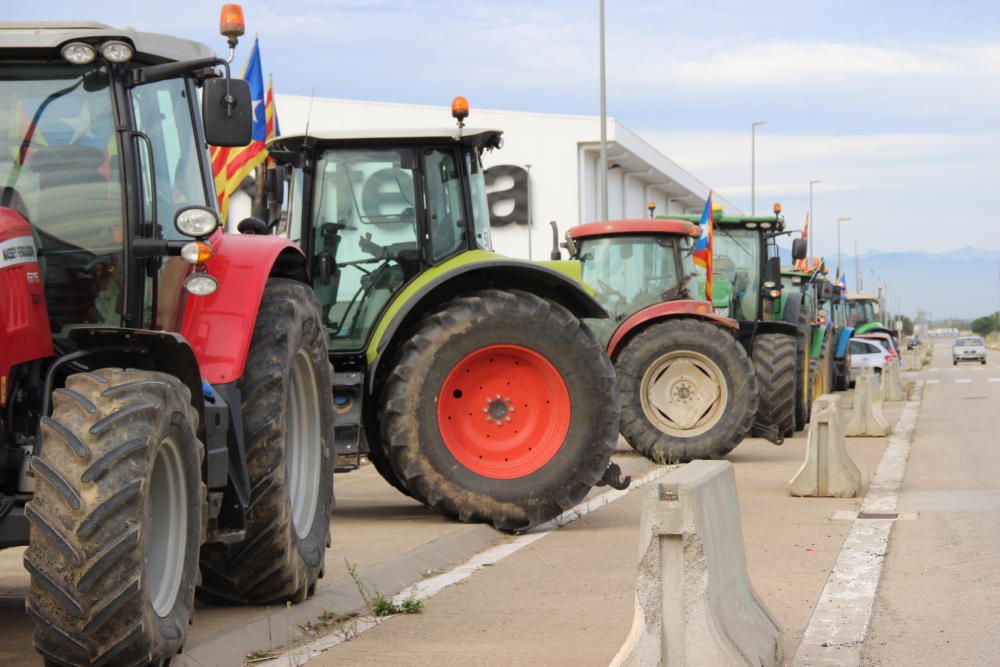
x,y
959,283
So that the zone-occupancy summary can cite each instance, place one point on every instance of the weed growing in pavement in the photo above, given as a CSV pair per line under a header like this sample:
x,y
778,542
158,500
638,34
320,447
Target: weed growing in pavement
x,y
412,605
384,606
259,655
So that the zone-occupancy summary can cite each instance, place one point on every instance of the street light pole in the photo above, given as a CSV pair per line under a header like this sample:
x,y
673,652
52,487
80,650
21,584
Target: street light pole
x,y
858,273
602,165
812,220
839,220
753,164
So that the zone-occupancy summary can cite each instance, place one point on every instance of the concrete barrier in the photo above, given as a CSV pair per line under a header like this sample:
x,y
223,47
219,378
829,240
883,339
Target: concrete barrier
x,y
695,604
892,382
867,418
828,470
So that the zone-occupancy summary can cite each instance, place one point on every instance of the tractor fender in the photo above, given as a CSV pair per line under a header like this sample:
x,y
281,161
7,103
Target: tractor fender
x,y
792,308
750,329
843,338
219,326
701,310
468,272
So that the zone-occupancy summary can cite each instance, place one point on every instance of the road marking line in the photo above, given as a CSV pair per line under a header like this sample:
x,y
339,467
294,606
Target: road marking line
x,y
963,381
432,586
993,380
838,626
932,381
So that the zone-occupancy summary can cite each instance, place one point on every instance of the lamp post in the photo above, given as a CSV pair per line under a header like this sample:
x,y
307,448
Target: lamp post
x,y
839,220
602,165
812,220
753,164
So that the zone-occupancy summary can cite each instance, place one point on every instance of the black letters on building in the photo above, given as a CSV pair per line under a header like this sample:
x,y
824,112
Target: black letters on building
x,y
516,193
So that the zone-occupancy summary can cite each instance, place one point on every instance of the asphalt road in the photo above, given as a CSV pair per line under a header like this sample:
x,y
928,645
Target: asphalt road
x,y
938,601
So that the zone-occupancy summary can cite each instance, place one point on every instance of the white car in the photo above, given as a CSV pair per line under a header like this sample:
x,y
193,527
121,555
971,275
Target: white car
x,y
866,352
969,348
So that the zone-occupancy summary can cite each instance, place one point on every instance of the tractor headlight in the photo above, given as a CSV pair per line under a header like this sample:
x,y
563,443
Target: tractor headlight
x,y
765,225
201,284
196,221
751,225
116,51
79,53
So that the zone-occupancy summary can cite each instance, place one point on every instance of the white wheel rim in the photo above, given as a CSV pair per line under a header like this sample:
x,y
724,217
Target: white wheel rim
x,y
166,537
303,444
683,393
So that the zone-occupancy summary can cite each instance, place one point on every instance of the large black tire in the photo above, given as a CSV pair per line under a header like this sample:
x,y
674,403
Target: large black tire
x,y
774,366
803,374
473,325
380,460
721,366
113,561
288,434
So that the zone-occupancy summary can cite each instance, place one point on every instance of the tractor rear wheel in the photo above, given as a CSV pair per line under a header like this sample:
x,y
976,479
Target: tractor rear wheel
x,y
688,391
501,408
774,364
288,434
803,345
116,520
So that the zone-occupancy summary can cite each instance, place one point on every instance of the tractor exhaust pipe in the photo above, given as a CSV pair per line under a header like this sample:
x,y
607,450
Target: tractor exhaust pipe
x,y
555,255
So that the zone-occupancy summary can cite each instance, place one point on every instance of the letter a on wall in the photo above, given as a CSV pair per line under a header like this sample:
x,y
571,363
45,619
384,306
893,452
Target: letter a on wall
x,y
507,194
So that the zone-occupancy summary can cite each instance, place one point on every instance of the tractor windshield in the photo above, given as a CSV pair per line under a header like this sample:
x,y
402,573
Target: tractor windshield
x,y
736,261
366,241
59,167
859,312
629,274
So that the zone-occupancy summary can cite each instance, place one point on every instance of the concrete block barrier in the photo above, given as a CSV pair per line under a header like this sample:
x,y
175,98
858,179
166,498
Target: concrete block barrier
x,y
892,382
695,604
867,418
828,470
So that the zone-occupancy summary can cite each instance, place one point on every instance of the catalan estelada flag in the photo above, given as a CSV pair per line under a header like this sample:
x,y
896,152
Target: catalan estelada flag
x,y
231,165
802,263
702,253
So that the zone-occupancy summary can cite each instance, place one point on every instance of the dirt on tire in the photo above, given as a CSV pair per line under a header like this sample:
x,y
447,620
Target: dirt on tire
x,y
441,340
91,521
720,348
775,367
274,563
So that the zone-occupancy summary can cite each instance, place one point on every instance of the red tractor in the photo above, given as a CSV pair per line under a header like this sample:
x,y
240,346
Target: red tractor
x,y
688,388
164,386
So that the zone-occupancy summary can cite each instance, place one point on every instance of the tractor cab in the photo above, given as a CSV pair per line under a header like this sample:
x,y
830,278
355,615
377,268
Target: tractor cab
x,y
376,209
634,264
863,309
101,147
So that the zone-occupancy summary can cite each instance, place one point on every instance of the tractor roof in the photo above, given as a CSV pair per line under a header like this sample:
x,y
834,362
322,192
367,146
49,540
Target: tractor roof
x,y
634,226
468,136
862,296
777,222
25,38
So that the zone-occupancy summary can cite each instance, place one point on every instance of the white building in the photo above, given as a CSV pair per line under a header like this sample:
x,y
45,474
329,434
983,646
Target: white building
x,y
558,152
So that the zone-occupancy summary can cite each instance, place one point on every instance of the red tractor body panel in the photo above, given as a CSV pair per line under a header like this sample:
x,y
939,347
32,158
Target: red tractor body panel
x,y
682,308
219,326
634,226
24,320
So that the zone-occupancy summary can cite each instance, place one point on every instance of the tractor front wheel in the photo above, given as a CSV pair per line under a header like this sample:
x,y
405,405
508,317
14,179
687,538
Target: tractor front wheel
x,y
288,432
501,408
116,520
688,391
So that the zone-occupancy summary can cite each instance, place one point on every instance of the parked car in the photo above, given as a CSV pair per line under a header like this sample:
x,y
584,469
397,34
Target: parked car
x,y
968,348
866,352
914,342
886,341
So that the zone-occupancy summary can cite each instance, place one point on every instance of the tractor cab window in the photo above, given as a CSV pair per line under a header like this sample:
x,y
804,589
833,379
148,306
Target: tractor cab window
x,y
630,273
365,244
163,112
445,206
859,312
736,263
480,204
59,167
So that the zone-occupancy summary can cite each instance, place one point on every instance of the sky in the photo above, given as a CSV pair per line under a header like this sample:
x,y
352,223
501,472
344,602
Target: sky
x,y
893,105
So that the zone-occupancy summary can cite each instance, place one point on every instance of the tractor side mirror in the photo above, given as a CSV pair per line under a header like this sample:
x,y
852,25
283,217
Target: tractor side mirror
x,y
799,248
227,112
825,291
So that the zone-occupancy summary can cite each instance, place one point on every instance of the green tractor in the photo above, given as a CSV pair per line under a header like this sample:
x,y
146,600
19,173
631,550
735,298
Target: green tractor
x,y
775,331
467,378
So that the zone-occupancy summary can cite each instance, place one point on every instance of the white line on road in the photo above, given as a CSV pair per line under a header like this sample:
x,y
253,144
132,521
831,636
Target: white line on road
x,y
993,380
963,381
434,585
932,381
839,624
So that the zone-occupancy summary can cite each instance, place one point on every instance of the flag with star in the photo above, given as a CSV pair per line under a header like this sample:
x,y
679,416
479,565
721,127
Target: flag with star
x,y
231,165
